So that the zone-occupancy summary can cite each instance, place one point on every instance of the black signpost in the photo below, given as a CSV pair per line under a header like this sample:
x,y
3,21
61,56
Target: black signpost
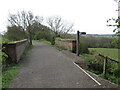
x,y
78,41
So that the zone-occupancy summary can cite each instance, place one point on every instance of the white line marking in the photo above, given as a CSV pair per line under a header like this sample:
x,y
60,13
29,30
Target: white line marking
x,y
88,74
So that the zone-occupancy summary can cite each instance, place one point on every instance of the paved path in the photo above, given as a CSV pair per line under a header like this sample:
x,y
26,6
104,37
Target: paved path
x,y
45,67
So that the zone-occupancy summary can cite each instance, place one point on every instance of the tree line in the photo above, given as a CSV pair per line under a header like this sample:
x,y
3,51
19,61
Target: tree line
x,y
99,42
24,24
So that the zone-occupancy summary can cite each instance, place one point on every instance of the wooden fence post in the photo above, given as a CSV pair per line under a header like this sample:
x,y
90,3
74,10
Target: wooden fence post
x,y
105,66
77,44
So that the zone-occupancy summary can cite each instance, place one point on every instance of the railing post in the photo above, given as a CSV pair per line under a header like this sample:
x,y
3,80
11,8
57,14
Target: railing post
x,y
105,67
77,44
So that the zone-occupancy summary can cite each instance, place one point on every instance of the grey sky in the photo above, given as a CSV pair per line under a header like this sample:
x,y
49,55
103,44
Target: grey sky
x,y
87,15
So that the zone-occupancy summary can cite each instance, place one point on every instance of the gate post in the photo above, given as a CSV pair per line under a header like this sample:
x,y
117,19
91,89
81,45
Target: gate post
x,y
77,44
105,67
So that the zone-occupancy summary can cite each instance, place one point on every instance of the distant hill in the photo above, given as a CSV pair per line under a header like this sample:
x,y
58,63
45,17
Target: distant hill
x,y
100,35
97,35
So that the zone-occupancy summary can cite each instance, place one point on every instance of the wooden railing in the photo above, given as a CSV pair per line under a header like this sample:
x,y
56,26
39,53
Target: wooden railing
x,y
109,58
106,58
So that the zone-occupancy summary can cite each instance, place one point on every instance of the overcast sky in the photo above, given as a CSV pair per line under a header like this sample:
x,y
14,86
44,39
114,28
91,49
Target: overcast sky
x,y
89,16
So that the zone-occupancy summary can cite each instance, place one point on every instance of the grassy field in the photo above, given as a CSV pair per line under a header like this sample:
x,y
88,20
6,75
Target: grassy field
x,y
112,53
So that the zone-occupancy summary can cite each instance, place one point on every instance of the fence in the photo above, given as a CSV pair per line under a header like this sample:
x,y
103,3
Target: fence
x,y
105,65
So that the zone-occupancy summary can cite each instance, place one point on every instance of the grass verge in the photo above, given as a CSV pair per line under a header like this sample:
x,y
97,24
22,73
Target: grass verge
x,y
9,74
56,46
44,41
26,51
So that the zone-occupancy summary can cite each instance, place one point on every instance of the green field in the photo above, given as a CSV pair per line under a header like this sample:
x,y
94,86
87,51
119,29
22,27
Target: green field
x,y
110,52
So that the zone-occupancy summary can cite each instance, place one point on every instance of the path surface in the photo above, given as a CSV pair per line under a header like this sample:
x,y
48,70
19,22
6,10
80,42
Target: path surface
x,y
45,67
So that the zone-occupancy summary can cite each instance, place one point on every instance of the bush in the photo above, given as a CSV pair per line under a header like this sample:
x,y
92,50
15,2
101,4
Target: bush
x,y
15,33
6,61
4,57
115,69
52,40
4,40
45,36
74,49
95,63
83,47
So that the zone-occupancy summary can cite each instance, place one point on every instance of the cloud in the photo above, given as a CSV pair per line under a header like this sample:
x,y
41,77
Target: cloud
x,y
87,15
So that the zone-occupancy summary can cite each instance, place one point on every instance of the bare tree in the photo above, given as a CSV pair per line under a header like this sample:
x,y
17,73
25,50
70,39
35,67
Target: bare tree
x,y
24,20
67,29
58,26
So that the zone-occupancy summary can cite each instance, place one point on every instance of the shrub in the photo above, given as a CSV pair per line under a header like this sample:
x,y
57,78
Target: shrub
x,y
5,60
15,33
96,63
83,47
4,57
52,40
45,36
74,49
